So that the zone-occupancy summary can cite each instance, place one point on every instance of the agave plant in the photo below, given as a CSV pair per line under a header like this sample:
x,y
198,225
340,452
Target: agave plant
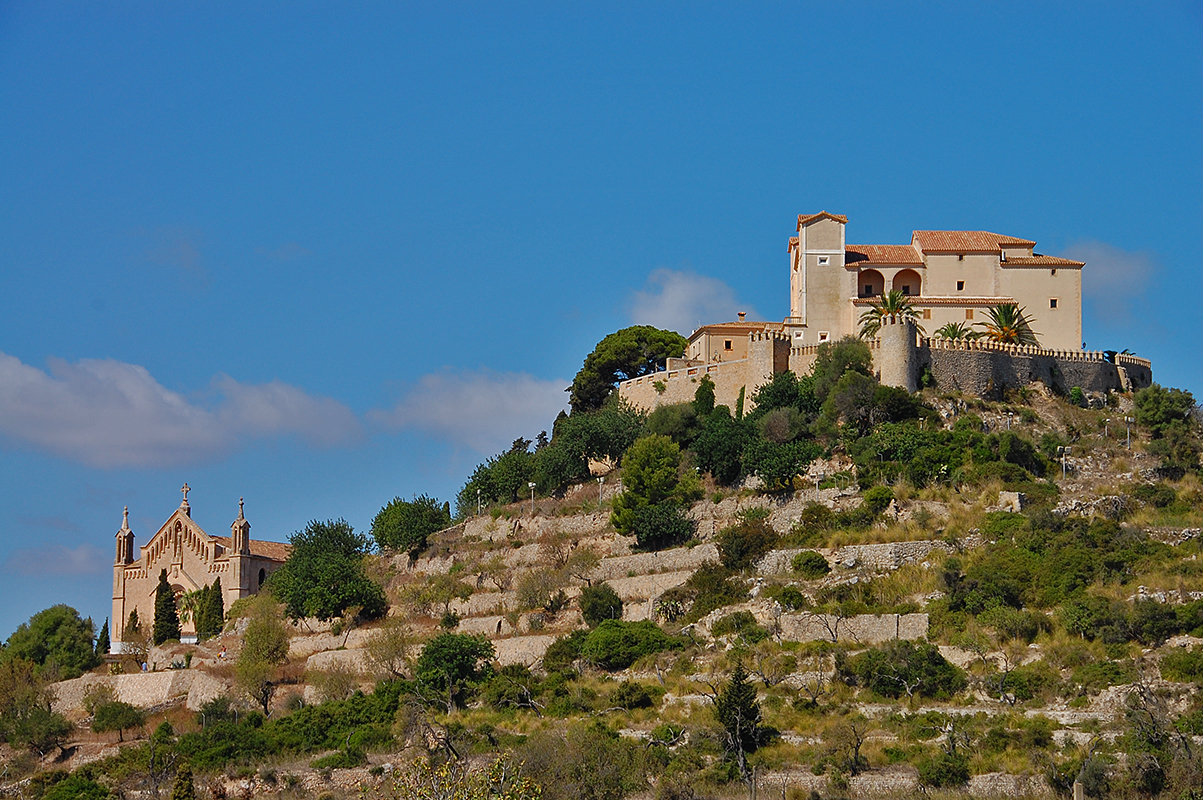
x,y
891,304
956,330
1008,324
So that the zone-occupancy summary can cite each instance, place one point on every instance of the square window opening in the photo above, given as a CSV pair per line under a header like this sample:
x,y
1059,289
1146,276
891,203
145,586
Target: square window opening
x,y
823,336
960,286
906,288
824,260
727,344
1052,303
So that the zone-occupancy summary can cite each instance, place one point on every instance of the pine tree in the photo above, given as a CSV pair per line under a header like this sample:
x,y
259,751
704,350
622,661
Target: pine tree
x,y
102,641
183,788
739,714
167,616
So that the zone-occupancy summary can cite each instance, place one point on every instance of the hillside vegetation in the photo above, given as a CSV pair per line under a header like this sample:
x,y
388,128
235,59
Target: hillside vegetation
x,y
840,590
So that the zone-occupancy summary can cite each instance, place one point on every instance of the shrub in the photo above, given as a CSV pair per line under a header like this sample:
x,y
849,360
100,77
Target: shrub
x,y
600,602
741,623
631,695
615,644
901,667
810,565
77,787
710,586
877,499
944,770
662,525
650,476
1183,665
1158,495
743,544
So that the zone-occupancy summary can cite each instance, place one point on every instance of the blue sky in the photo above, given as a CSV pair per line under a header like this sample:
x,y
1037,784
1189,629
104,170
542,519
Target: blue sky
x,y
319,255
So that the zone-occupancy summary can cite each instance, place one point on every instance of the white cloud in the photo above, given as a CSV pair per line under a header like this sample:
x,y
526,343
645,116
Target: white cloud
x,y
107,413
483,410
56,559
1114,280
682,301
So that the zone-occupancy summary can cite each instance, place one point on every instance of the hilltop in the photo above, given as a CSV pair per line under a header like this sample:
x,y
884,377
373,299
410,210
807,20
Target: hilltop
x,y
874,594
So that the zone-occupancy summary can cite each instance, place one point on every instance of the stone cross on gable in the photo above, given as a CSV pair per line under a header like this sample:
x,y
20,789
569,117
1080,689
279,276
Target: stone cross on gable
x,y
185,489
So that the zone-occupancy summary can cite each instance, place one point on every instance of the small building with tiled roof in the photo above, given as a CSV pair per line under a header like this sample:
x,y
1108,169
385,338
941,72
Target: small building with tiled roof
x,y
192,560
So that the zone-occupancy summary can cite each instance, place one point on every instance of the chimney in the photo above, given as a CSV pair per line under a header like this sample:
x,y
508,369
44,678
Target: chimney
x,y
742,314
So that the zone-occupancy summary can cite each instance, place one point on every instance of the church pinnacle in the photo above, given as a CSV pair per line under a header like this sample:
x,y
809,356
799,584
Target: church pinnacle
x,y
187,509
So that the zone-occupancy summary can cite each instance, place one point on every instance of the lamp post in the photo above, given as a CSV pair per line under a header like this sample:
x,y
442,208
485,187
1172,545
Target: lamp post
x,y
1128,421
531,486
600,481
1010,414
1106,427
478,501
1063,454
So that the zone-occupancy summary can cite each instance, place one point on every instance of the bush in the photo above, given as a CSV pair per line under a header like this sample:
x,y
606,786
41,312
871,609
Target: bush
x,y
650,477
563,651
77,787
451,663
877,499
944,770
902,668
710,586
1183,665
1158,495
743,544
631,695
600,602
741,623
615,644
662,525
810,565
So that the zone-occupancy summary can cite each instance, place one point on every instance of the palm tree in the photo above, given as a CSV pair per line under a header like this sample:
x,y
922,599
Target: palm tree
x,y
1008,324
891,304
956,330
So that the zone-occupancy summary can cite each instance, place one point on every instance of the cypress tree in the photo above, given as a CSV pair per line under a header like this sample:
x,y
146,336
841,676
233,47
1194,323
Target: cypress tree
x,y
132,627
167,616
216,612
102,641
737,711
183,788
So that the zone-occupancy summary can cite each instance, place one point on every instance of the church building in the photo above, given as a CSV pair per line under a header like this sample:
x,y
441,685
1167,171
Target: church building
x,y
193,560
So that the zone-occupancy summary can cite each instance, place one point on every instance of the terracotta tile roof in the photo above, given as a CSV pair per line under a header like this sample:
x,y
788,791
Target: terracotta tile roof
x,y
1042,261
793,242
276,551
805,218
965,241
881,254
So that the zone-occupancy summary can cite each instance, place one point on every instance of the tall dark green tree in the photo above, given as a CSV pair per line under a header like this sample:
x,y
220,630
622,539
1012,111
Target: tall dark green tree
x,y
215,619
102,642
324,574
628,353
738,712
183,787
167,616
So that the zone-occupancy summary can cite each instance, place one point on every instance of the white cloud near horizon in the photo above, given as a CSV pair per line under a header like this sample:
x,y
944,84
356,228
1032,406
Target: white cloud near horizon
x,y
681,301
56,559
479,409
107,413
1114,280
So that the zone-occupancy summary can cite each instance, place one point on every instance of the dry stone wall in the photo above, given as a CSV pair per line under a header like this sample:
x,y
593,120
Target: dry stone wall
x,y
862,629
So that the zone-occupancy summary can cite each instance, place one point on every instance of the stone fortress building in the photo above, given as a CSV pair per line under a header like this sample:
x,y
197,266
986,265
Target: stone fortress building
x,y
193,559
949,276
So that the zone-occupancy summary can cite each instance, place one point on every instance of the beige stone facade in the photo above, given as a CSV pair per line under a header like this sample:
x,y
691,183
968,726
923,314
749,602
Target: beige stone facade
x,y
193,559
949,276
